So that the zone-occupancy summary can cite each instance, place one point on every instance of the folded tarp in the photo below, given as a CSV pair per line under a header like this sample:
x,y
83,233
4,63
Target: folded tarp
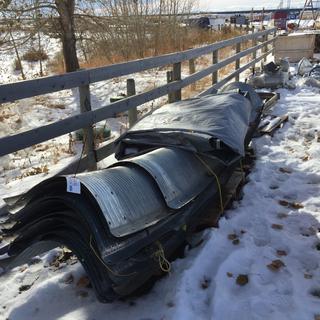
x,y
202,124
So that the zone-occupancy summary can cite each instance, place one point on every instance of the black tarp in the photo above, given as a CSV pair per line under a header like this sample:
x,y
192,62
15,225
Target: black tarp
x,y
200,124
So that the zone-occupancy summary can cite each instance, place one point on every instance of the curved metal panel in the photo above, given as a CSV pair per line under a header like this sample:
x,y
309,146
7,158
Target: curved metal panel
x,y
128,198
178,173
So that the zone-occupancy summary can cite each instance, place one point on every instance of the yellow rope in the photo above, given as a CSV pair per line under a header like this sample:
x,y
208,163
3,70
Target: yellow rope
x,y
105,265
217,180
164,264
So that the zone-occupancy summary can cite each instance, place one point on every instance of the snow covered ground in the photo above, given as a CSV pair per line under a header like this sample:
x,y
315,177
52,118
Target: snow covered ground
x,y
262,262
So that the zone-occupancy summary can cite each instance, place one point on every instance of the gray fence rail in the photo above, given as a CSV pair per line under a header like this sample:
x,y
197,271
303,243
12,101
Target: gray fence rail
x,y
83,78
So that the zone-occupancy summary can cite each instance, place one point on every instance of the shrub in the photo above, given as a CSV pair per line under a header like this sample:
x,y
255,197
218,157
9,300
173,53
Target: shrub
x,y
33,55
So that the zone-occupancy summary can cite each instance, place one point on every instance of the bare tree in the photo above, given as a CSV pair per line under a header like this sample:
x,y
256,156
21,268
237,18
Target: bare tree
x,y
63,10
114,28
66,9
138,28
19,64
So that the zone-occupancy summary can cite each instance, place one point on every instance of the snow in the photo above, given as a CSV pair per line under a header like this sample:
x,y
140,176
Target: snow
x,y
277,219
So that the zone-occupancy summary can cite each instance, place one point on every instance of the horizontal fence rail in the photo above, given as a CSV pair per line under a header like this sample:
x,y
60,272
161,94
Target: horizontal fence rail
x,y
31,88
83,78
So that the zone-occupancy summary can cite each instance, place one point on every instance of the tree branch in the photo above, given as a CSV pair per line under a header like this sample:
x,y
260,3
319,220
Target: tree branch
x,y
24,10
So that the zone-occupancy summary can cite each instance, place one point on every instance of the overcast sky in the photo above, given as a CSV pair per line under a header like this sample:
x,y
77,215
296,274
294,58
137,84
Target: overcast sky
x,y
218,5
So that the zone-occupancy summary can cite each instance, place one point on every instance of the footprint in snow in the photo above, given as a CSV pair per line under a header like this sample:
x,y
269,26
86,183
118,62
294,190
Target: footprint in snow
x,y
261,233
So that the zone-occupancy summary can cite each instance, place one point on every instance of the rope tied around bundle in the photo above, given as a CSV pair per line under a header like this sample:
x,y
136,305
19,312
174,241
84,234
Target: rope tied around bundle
x,y
164,263
105,265
217,181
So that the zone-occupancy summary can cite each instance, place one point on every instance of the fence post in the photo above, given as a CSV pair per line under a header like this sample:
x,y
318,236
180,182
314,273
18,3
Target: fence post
x,y
265,48
176,75
254,55
170,94
215,59
192,70
274,42
132,113
238,49
88,134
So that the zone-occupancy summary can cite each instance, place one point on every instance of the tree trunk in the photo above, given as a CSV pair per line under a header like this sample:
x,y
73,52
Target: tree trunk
x,y
17,54
66,18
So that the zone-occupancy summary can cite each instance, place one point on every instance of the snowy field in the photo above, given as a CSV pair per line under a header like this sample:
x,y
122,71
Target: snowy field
x,y
262,262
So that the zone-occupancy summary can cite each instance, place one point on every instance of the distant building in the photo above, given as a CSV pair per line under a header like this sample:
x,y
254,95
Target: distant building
x,y
201,22
239,19
206,22
216,23
280,18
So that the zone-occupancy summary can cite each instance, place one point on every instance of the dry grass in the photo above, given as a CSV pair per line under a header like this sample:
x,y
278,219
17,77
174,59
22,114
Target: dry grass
x,y
199,86
60,106
188,39
191,39
33,55
57,64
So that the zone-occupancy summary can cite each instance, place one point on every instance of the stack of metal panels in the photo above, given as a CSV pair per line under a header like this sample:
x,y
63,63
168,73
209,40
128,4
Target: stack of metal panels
x,y
172,168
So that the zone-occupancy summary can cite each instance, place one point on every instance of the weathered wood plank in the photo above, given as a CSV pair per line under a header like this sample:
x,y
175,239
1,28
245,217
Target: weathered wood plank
x,y
238,49
240,70
254,56
132,113
215,58
192,70
31,88
176,76
169,80
222,82
26,139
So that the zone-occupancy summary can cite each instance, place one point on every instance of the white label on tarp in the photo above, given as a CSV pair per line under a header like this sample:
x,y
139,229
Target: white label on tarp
x,y
73,185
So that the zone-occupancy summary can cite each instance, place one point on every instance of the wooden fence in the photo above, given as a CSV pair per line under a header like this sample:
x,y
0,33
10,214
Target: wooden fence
x,y
263,44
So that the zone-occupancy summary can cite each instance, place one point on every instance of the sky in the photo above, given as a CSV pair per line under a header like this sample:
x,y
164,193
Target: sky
x,y
219,5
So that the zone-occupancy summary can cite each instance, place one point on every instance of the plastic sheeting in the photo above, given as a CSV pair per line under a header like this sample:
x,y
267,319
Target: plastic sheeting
x,y
201,124
250,93
304,67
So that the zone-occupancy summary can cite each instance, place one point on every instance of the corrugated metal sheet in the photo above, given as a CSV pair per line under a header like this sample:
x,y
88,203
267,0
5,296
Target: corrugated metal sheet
x,y
178,173
128,197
